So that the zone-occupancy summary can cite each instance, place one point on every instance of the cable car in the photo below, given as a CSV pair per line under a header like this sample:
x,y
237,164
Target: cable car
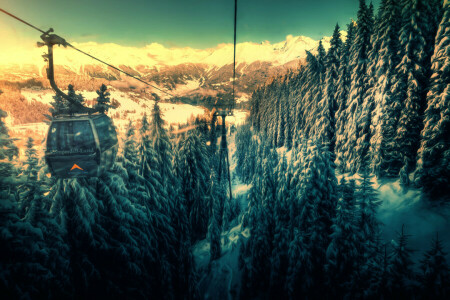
x,y
81,145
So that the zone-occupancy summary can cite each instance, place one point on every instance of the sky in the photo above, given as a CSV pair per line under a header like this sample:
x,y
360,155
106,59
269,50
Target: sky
x,y
176,23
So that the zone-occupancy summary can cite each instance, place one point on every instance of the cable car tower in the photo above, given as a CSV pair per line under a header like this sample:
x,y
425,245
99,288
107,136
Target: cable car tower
x,y
224,111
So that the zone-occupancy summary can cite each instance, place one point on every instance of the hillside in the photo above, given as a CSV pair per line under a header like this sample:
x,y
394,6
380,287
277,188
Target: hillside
x,y
191,74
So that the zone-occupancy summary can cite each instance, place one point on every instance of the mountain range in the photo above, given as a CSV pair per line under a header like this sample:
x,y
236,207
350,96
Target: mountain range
x,y
193,74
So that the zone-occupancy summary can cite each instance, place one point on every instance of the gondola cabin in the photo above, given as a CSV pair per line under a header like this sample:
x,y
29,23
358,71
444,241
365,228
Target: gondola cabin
x,y
81,145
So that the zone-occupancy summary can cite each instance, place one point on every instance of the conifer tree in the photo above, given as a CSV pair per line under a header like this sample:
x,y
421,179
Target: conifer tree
x,y
164,151
328,105
342,254
78,98
282,116
215,225
192,165
246,145
352,152
22,248
130,148
184,280
401,279
368,229
279,257
29,173
79,220
411,79
342,92
58,106
435,277
56,259
103,100
318,205
433,172
148,169
387,107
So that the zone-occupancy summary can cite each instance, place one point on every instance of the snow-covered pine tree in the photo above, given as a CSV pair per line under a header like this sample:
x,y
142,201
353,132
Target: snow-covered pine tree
x,y
129,238
144,191
245,147
56,259
283,115
368,228
130,148
351,151
193,169
301,275
404,174
184,280
373,281
297,183
148,169
76,209
297,91
318,205
306,107
387,108
411,79
328,104
32,198
342,91
299,280
216,195
288,126
433,172
368,106
161,144
342,253
58,106
22,247
254,108
260,219
274,113
318,129
213,138
401,275
29,175
435,275
75,97
279,257
103,101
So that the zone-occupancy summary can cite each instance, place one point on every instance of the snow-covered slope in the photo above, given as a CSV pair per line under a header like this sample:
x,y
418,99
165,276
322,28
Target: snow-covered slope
x,y
186,72
399,206
154,54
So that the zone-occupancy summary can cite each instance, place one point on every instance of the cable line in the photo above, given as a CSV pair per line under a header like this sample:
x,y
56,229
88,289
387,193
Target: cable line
x,y
109,65
91,56
234,49
19,19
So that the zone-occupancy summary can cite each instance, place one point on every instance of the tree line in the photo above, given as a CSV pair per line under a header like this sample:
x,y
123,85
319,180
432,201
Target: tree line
x,y
314,237
125,234
380,97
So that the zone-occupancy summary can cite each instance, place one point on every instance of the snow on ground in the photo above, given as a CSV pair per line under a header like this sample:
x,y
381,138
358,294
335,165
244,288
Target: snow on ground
x,y
221,279
189,86
239,117
404,206
422,222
